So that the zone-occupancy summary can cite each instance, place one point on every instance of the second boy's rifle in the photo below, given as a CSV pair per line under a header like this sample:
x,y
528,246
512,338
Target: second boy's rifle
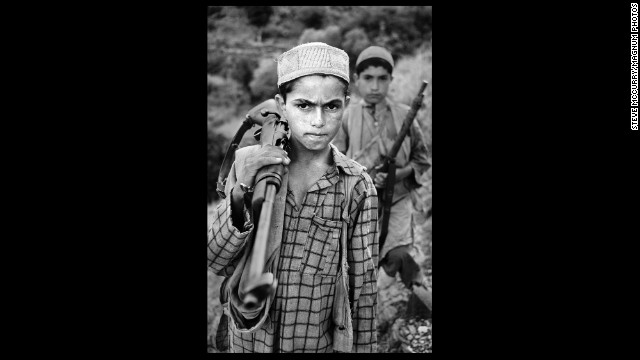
x,y
388,165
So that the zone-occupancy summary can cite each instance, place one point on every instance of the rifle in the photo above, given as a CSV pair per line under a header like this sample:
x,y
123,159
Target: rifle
x,y
388,165
268,180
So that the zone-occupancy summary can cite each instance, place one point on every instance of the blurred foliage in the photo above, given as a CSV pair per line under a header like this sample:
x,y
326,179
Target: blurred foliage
x,y
214,13
242,70
265,81
215,63
283,25
355,40
259,15
311,16
245,40
225,93
216,146
330,35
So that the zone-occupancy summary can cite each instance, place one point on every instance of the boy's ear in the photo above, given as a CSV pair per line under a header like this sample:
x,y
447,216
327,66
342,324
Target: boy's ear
x,y
346,103
280,104
355,77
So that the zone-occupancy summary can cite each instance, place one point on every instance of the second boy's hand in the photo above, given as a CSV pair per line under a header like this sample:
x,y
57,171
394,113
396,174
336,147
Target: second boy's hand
x,y
380,180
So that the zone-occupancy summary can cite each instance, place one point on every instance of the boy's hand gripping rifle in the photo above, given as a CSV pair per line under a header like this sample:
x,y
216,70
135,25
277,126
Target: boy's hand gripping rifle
x,y
388,165
267,184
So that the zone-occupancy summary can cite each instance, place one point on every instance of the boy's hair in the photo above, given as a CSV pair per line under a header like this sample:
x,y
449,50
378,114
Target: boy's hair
x,y
375,62
287,87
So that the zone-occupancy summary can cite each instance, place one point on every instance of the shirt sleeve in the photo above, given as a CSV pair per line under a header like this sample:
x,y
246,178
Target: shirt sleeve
x,y
225,241
362,258
419,158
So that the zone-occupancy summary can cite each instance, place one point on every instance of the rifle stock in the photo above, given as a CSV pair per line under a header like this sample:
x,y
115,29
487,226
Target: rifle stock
x,y
385,196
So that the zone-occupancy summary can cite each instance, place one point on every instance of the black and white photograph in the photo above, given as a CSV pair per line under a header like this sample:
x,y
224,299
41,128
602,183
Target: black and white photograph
x,y
319,179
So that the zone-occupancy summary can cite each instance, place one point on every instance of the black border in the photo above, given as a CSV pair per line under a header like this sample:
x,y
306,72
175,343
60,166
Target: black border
x,y
536,153
135,181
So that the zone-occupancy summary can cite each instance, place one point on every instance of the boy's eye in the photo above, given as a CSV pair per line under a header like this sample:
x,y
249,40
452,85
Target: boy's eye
x,y
303,106
332,107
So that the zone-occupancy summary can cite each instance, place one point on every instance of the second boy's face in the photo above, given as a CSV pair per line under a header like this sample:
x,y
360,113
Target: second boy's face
x,y
373,84
314,110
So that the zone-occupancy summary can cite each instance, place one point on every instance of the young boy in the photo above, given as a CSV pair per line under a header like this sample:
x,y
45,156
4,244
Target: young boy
x,y
368,131
301,314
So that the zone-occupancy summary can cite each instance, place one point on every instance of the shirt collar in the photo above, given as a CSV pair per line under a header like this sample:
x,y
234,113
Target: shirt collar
x,y
340,163
347,165
382,105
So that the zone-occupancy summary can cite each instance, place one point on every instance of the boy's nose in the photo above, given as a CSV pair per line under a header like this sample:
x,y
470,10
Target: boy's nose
x,y
316,119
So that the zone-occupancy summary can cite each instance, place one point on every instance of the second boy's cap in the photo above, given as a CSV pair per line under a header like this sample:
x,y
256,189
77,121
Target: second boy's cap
x,y
375,52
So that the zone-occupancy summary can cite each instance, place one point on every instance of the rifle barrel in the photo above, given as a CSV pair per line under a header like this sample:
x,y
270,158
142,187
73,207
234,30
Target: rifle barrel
x,y
406,124
256,267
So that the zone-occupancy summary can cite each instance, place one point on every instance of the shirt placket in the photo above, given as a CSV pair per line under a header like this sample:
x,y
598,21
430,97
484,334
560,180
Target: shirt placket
x,y
372,111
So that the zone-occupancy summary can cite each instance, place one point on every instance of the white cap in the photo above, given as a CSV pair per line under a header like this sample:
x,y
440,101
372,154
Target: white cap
x,y
312,58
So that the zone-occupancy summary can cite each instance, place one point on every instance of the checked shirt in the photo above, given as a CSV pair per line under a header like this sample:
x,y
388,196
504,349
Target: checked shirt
x,y
300,319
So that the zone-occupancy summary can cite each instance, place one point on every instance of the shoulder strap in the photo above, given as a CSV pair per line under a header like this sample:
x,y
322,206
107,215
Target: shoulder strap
x,y
229,157
349,182
357,151
343,330
253,117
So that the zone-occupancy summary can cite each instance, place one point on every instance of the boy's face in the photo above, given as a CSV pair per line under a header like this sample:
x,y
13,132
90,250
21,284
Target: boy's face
x,y
373,84
314,110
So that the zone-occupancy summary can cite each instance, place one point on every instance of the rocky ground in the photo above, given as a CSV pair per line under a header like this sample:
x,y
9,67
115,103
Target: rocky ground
x,y
393,302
